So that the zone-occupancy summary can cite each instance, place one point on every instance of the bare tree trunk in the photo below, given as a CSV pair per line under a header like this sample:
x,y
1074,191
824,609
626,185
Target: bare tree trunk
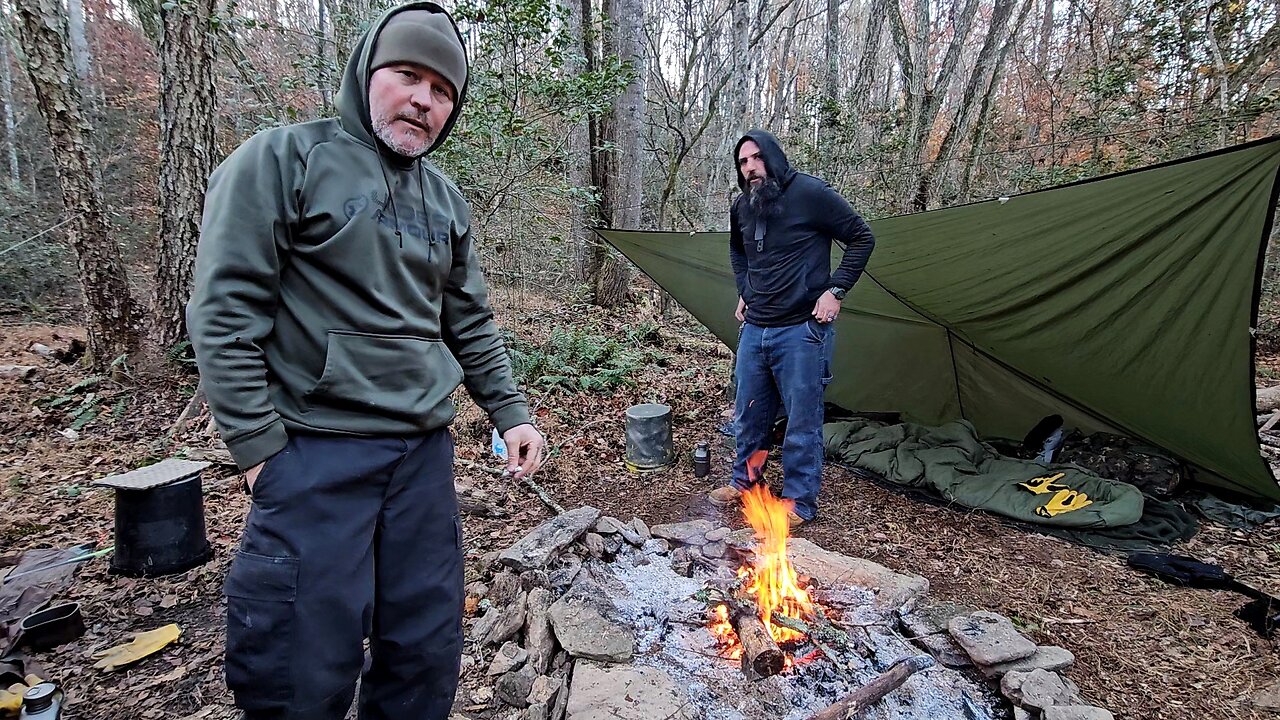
x,y
582,213
188,117
586,164
741,65
866,63
626,135
984,109
322,57
931,104
983,73
831,48
79,43
6,99
41,28
1042,66
1221,66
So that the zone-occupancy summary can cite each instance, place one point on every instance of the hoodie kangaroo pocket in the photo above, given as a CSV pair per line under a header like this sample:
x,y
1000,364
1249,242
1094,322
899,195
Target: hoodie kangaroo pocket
x,y
394,376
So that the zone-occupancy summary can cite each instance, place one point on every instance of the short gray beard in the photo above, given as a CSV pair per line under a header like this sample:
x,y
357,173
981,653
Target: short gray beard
x,y
398,145
763,198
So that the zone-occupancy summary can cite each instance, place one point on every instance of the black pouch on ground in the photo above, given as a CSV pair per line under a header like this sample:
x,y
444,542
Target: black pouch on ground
x,y
1262,613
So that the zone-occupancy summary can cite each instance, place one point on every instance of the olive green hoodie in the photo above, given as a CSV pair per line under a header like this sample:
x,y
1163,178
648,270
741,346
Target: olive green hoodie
x,y
337,288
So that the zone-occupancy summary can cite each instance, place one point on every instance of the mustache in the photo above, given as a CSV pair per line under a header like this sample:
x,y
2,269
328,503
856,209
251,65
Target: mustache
x,y
419,119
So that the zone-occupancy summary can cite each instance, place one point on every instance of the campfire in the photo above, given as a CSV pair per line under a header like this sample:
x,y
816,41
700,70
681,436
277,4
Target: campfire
x,y
590,616
766,609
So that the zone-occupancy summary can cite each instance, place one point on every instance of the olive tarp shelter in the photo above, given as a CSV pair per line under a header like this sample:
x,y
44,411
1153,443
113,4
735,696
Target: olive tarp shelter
x,y
1123,303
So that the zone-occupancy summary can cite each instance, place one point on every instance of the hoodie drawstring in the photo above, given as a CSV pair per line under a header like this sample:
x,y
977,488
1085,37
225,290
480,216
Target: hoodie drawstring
x,y
426,217
391,197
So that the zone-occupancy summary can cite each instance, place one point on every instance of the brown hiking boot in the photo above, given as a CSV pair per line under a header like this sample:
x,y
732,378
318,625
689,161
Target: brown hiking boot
x,y
725,496
794,521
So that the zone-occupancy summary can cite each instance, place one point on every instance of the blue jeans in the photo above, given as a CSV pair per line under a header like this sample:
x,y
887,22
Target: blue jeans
x,y
784,368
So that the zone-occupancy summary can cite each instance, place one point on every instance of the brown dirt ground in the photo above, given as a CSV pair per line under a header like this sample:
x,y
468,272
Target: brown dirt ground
x,y
1143,649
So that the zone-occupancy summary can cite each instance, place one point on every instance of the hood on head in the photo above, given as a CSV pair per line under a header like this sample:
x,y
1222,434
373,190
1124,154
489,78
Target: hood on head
x,y
775,161
353,95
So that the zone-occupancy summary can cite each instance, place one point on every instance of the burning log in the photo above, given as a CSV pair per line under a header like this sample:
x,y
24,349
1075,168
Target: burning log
x,y
873,692
759,652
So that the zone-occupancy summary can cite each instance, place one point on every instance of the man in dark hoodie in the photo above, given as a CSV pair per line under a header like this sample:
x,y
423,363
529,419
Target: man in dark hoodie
x,y
338,302
780,233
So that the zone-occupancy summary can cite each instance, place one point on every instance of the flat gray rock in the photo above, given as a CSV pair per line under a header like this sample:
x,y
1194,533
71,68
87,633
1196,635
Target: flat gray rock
x,y
513,688
595,544
685,532
543,696
641,528
718,534
892,589
926,626
1268,698
989,638
539,640
743,539
625,692
1077,712
1046,657
1039,689
535,550
611,525
500,622
509,657
585,633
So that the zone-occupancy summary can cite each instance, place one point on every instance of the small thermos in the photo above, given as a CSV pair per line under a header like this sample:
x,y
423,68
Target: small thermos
x,y
42,702
701,460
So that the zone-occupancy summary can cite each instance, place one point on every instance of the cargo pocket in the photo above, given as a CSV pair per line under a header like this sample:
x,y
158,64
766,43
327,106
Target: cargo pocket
x,y
260,626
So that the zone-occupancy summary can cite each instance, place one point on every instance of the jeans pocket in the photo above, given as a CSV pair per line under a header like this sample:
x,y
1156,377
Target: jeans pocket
x,y
817,330
260,622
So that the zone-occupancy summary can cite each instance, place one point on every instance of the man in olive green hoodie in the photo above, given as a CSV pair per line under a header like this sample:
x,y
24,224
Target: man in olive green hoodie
x,y
338,302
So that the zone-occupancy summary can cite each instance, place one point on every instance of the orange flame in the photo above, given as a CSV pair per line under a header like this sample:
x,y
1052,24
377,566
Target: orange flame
x,y
769,580
722,630
772,581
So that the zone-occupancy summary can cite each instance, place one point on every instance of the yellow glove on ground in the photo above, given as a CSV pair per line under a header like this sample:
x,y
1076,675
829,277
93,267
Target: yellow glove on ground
x,y
142,645
11,698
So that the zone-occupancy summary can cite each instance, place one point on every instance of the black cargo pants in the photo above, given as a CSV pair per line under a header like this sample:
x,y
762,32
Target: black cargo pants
x,y
347,539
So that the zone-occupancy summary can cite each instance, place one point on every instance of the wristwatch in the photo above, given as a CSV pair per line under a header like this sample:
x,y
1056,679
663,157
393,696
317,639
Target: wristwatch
x,y
839,292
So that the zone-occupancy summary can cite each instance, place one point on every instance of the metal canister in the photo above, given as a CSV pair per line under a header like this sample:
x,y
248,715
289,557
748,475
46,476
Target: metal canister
x,y
42,702
701,460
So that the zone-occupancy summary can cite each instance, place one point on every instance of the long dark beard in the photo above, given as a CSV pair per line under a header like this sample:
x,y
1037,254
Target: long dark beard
x,y
763,198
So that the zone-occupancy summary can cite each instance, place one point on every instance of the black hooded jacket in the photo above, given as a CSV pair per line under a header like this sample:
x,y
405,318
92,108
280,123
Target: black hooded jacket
x,y
781,273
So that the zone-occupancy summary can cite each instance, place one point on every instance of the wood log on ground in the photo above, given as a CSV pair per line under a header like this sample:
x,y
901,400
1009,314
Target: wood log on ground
x,y
852,705
760,654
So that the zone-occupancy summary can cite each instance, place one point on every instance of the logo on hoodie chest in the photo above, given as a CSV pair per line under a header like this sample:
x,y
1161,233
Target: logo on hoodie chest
x,y
413,222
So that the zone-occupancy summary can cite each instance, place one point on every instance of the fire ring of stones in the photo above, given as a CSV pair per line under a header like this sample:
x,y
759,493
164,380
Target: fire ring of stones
x,y
591,618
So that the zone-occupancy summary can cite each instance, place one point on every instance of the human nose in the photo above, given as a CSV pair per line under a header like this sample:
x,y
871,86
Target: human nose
x,y
421,99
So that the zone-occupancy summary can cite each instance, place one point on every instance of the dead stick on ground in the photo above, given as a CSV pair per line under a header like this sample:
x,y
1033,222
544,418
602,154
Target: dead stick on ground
x,y
541,492
873,692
